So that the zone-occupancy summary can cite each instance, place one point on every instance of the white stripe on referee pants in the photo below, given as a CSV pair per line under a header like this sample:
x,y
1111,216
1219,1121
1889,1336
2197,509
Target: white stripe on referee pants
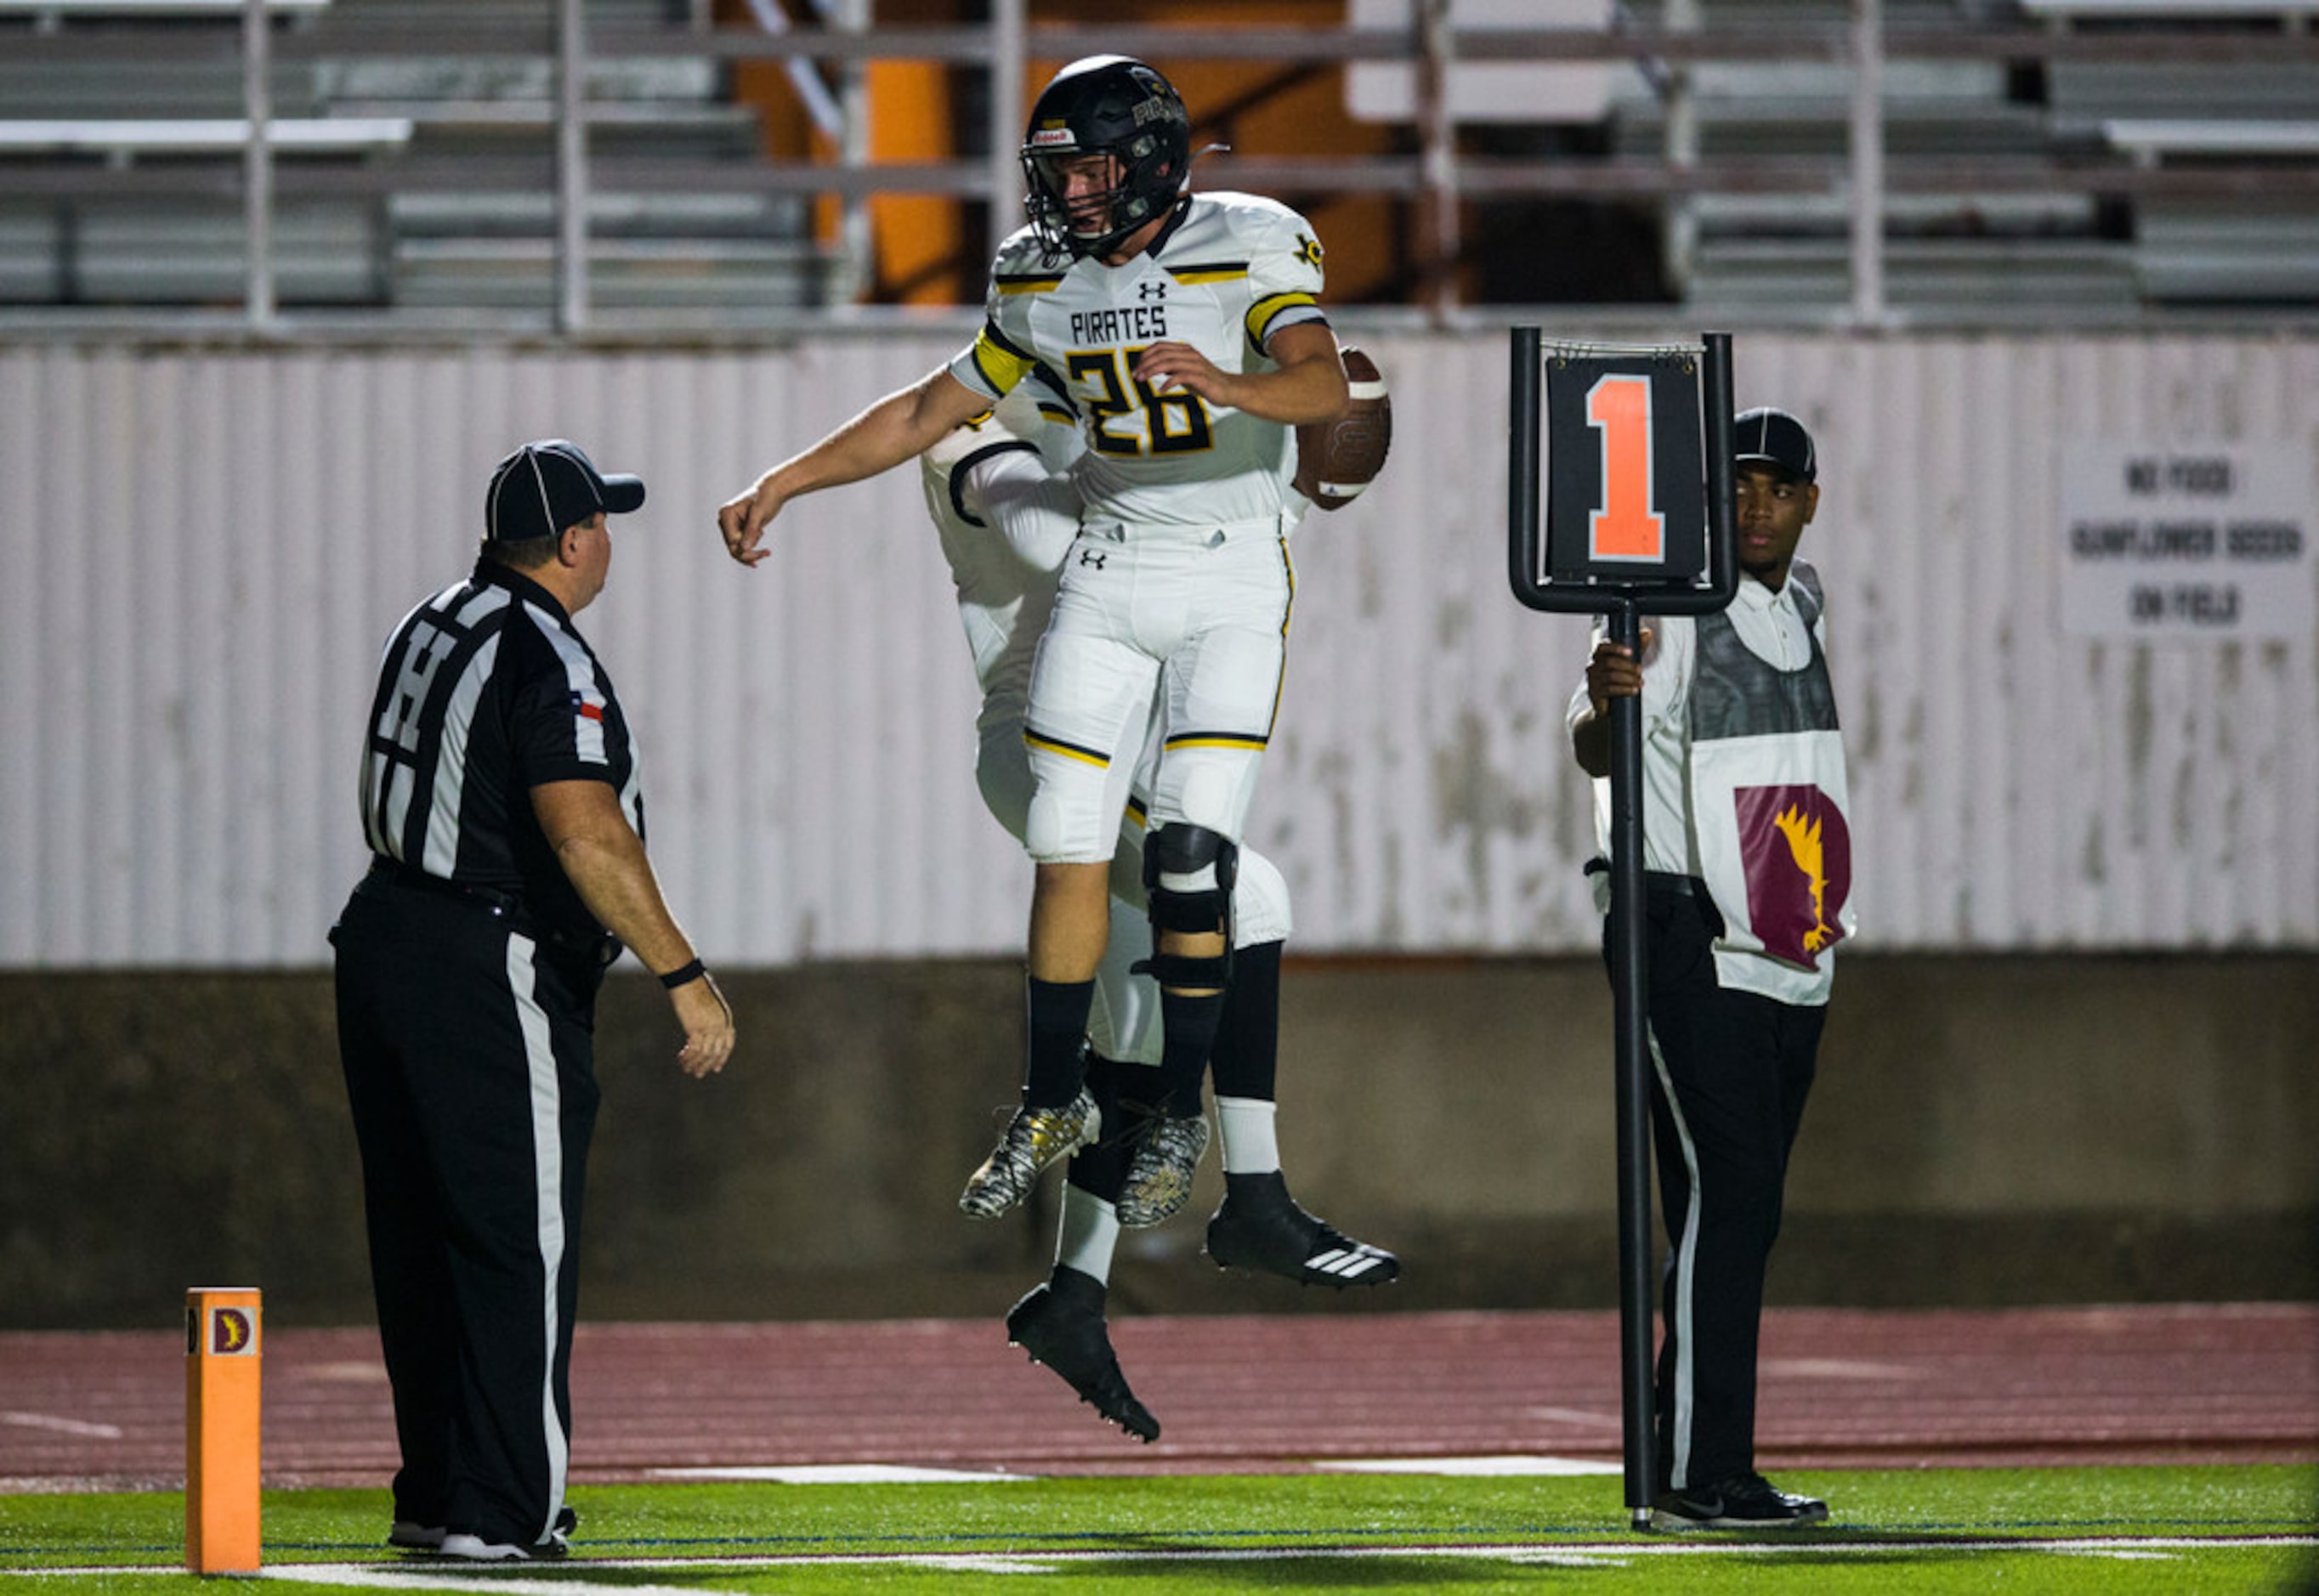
x,y
1686,1345
547,1163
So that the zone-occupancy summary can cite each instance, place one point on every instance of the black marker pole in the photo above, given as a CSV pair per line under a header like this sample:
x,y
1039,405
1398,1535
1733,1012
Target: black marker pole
x,y
1630,1021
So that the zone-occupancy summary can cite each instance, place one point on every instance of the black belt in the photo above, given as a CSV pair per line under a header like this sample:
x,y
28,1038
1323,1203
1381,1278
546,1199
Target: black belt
x,y
1681,885
602,947
489,898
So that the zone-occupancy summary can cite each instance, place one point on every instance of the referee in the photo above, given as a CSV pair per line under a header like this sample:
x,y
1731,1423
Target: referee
x,y
505,823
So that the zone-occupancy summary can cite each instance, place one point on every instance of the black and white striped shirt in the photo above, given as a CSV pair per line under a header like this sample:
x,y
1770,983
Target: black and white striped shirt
x,y
485,691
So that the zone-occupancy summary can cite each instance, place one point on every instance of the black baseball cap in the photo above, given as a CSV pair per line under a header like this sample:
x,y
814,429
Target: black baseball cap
x,y
1775,438
548,485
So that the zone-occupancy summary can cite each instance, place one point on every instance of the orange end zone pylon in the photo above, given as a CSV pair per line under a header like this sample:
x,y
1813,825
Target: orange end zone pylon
x,y
221,1402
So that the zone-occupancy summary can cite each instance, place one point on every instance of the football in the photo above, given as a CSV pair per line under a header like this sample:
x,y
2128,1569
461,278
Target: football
x,y
1335,460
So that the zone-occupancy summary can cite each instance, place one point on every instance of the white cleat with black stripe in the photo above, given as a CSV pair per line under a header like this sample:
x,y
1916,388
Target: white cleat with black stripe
x,y
1260,1226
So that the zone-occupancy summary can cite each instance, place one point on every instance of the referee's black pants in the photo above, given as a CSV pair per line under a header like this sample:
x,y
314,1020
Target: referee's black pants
x,y
468,1052
1730,1071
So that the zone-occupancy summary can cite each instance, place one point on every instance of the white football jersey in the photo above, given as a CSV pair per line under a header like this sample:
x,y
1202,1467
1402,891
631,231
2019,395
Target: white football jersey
x,y
1229,271
1004,556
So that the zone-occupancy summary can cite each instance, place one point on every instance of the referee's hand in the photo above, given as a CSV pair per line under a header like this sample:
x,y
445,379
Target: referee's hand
x,y
707,1022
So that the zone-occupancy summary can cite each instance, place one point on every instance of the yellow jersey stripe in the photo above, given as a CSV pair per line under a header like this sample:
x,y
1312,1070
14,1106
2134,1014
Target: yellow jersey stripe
x,y
1036,742
1221,739
1011,285
1287,612
1264,313
1001,365
1189,275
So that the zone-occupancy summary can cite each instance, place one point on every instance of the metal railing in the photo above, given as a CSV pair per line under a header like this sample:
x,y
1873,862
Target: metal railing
x,y
1438,179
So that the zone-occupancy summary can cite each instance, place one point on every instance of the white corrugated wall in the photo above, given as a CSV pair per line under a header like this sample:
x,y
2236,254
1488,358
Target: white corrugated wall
x,y
202,550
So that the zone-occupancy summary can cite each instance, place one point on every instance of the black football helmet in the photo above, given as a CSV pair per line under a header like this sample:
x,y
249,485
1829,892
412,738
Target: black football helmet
x,y
1104,105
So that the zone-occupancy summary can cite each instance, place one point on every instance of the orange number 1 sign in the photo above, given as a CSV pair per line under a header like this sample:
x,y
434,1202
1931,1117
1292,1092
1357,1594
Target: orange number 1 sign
x,y
1626,527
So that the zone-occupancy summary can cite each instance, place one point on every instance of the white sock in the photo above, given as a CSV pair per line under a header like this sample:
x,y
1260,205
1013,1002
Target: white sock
x,y
1090,1233
1250,1148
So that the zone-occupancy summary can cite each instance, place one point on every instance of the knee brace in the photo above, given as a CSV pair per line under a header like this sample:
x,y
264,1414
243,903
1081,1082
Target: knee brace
x,y
1188,872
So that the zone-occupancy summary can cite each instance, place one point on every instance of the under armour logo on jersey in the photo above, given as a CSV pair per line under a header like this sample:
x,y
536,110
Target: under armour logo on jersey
x,y
1094,557
1151,288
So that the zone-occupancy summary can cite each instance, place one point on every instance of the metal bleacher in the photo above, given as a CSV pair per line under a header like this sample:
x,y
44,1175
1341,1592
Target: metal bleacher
x,y
2011,248
409,175
2214,248
660,247
2096,159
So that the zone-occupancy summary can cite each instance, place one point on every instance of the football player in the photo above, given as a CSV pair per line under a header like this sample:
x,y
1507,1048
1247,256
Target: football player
x,y
1187,332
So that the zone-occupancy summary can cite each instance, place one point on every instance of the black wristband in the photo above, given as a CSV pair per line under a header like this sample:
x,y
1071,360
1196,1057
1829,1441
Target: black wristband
x,y
690,971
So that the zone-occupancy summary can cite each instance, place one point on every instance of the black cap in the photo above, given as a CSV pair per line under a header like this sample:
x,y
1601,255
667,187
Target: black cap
x,y
1776,439
548,485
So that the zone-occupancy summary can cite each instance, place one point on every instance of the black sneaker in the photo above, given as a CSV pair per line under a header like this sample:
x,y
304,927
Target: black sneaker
x,y
474,1548
1070,1340
1743,1501
1260,1226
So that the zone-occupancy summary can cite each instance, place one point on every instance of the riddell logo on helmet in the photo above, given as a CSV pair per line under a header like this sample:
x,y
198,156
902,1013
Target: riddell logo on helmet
x,y
1046,136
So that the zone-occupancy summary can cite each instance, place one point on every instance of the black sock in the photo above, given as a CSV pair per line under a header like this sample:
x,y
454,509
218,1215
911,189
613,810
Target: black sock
x,y
1058,1018
1246,1058
1076,1287
1100,1170
1190,1024
1246,1187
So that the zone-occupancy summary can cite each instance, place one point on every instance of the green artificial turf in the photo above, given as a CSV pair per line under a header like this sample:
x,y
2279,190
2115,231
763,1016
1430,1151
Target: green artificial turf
x,y
1891,1531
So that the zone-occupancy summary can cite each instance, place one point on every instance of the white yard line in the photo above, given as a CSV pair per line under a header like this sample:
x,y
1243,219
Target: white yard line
x,y
63,1426
560,1578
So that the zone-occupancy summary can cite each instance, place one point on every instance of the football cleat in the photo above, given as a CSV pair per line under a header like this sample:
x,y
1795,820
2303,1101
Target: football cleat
x,y
408,1535
1033,1138
1260,1226
1168,1154
1071,1340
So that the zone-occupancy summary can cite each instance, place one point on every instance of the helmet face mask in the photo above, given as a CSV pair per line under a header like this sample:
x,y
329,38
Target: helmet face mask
x,y
1106,107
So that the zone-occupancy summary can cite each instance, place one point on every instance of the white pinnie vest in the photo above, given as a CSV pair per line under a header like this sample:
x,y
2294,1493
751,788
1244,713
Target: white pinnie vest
x,y
1768,802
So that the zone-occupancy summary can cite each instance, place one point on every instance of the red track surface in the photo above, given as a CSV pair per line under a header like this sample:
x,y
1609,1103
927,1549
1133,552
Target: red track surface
x,y
1255,1393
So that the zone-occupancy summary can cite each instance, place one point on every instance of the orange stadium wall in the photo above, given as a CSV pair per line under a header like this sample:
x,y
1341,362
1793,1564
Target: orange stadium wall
x,y
1985,1130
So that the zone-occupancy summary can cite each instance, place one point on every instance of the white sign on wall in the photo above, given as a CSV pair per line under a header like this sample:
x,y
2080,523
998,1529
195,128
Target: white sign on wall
x,y
2185,540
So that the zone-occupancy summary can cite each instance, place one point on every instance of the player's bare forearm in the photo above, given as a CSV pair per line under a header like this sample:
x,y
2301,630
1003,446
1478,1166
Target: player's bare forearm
x,y
898,427
1309,384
